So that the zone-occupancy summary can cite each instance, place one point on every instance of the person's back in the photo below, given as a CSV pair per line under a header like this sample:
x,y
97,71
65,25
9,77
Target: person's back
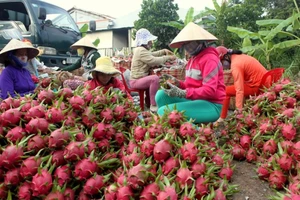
x,y
247,74
250,67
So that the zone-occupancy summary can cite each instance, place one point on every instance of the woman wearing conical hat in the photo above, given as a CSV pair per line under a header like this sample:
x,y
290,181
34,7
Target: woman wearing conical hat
x,y
104,75
89,54
34,66
202,92
15,79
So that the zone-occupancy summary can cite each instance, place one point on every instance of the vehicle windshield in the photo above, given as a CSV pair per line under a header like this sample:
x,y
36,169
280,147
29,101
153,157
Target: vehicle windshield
x,y
56,16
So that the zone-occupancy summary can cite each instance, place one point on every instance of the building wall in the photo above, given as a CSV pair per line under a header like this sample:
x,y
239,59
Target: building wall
x,y
105,37
111,39
120,38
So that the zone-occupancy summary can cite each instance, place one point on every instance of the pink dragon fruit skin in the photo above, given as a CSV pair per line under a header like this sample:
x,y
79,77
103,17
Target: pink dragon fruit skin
x,y
137,176
55,195
150,192
63,174
93,185
25,192
69,194
124,193
84,169
41,183
12,177
29,167
11,156
168,193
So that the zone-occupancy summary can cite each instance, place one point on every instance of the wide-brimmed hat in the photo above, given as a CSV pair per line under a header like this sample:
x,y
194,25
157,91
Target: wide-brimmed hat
x,y
143,36
86,41
15,44
222,51
106,66
191,32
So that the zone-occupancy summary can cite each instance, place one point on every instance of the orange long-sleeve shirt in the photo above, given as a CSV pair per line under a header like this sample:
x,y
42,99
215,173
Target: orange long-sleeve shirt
x,y
245,70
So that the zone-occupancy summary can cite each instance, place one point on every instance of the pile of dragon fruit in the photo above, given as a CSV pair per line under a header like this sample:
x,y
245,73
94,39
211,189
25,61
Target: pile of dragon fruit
x,y
84,144
267,133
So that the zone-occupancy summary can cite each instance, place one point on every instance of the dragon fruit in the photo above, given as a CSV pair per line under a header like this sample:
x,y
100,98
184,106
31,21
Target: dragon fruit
x,y
62,174
84,169
29,167
41,183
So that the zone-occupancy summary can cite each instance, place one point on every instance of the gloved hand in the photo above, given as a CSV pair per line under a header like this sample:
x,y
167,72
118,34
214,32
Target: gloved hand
x,y
171,57
165,77
174,91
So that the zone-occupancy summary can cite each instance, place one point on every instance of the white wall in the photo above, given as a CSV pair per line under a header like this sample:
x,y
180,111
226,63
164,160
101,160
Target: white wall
x,y
105,37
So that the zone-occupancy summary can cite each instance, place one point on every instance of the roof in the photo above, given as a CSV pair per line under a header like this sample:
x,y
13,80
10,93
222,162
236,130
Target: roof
x,y
126,21
90,12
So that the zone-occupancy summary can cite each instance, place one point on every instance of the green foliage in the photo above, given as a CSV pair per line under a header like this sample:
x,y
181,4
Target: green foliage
x,y
275,37
279,9
153,13
84,29
96,42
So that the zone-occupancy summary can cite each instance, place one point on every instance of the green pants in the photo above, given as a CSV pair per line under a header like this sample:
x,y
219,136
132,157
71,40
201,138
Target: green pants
x,y
201,111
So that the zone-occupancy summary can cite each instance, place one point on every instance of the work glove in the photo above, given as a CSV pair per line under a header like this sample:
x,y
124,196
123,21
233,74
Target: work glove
x,y
165,77
174,91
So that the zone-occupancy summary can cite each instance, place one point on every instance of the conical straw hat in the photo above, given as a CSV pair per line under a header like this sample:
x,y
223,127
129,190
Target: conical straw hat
x,y
15,44
191,32
30,44
86,41
106,66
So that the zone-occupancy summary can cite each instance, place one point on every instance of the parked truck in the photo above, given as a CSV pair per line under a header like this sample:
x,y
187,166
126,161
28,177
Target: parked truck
x,y
49,28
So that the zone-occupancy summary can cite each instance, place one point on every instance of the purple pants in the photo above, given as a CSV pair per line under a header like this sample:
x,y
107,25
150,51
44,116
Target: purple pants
x,y
150,82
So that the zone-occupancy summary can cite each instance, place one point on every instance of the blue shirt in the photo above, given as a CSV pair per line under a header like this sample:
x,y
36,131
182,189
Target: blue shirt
x,y
15,80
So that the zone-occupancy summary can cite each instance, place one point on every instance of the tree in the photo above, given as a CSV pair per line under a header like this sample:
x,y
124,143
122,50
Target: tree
x,y
268,42
153,13
279,9
189,17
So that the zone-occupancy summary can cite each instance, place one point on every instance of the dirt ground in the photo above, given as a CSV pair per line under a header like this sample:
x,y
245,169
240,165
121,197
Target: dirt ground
x,y
249,185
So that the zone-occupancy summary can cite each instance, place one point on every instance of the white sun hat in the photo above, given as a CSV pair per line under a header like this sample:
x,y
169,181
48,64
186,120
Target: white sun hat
x,y
15,44
191,32
86,41
106,66
143,36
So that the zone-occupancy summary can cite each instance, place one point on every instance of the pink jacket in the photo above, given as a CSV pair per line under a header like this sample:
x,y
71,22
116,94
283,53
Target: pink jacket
x,y
204,77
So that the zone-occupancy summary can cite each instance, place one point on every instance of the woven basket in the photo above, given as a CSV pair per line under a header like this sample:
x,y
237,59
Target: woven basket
x,y
228,78
78,72
177,73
